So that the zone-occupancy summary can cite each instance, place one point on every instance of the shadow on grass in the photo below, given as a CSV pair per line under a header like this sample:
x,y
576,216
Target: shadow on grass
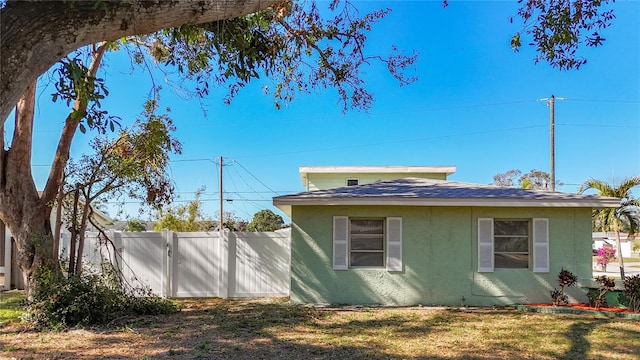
x,y
282,331
235,329
580,331
580,345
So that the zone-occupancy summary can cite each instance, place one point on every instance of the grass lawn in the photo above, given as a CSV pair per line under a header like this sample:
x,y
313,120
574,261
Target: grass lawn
x,y
10,309
273,329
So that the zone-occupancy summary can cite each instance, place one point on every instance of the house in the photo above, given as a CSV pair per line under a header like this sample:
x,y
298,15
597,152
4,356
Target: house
x,y
601,239
10,274
416,240
328,177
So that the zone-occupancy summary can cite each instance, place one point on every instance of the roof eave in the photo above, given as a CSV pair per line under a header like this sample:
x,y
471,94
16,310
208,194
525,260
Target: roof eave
x,y
305,170
488,202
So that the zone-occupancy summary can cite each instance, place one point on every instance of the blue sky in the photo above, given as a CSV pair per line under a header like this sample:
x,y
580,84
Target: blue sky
x,y
476,105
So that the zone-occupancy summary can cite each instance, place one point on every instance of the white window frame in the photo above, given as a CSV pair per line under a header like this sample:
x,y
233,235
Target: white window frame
x,y
529,245
538,244
392,244
383,235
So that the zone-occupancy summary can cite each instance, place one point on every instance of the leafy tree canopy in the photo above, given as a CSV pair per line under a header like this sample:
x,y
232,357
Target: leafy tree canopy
x,y
293,45
534,179
184,218
135,225
265,220
627,215
621,217
275,30
559,27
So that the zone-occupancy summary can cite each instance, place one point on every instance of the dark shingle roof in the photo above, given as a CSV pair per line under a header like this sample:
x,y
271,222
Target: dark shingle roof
x,y
419,191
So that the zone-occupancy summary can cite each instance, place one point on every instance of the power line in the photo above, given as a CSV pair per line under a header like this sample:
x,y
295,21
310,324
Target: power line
x,y
254,191
263,184
396,141
602,126
389,142
608,101
246,211
245,182
385,113
187,201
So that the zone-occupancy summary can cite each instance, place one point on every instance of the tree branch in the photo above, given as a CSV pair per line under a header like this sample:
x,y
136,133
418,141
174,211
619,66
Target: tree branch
x,y
70,126
36,34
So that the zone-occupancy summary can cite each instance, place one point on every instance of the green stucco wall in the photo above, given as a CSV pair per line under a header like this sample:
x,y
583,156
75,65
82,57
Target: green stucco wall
x,y
332,181
439,258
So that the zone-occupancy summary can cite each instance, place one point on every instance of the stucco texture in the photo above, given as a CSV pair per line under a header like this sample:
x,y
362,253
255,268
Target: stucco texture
x,y
439,258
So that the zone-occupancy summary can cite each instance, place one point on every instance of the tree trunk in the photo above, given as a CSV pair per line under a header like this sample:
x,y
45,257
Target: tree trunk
x,y
73,230
36,34
616,226
58,222
86,207
34,242
21,208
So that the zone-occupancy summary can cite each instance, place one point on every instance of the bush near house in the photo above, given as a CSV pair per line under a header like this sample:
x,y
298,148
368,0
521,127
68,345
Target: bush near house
x,y
88,299
632,291
565,279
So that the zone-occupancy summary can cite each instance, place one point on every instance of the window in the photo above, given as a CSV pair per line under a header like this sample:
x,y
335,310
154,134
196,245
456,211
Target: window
x,y
366,242
511,244
352,182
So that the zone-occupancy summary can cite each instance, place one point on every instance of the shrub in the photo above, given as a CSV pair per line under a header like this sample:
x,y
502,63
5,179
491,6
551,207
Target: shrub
x,y
58,302
632,290
597,298
606,254
558,297
565,279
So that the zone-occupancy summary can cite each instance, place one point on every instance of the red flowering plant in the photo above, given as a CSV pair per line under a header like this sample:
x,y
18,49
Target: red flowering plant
x,y
606,254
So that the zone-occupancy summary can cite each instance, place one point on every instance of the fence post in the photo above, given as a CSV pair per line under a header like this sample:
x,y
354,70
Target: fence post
x,y
167,263
231,264
221,264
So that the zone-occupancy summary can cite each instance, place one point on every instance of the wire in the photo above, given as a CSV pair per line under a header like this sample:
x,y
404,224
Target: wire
x,y
256,206
396,141
601,126
609,101
263,184
235,187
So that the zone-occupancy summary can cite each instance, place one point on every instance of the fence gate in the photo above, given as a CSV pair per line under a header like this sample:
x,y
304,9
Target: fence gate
x,y
198,264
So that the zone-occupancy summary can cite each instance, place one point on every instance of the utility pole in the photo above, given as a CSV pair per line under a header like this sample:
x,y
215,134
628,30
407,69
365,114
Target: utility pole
x,y
552,130
551,101
220,225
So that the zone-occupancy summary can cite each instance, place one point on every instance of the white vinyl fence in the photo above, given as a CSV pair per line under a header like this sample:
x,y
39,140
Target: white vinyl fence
x,y
200,264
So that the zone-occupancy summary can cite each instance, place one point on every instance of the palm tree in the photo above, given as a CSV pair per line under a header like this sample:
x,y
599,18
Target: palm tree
x,y
613,219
